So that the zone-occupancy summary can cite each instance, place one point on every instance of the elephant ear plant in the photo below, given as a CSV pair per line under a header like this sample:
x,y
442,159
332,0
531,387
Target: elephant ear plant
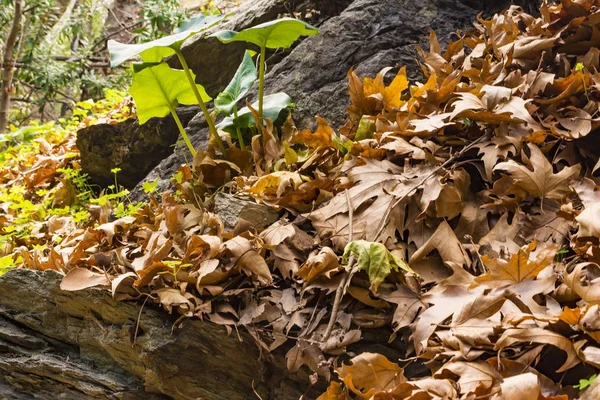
x,y
281,33
227,101
157,89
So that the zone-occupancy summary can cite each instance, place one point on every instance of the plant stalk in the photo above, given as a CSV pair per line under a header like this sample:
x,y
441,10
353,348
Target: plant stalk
x,y
211,124
237,129
184,135
261,84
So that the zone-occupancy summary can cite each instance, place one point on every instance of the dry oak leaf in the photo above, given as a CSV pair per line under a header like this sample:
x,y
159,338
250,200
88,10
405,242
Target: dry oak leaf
x,y
390,95
446,243
319,138
83,278
335,391
524,386
475,377
323,264
526,264
421,389
542,336
408,305
539,181
584,281
276,234
370,373
171,297
377,186
457,301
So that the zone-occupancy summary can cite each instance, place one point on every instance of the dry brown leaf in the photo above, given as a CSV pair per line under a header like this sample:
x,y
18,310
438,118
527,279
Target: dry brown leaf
x,y
83,278
325,264
526,264
542,336
446,243
370,373
539,181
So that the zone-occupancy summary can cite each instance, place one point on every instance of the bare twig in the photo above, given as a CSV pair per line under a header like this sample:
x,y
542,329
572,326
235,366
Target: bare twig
x,y
339,293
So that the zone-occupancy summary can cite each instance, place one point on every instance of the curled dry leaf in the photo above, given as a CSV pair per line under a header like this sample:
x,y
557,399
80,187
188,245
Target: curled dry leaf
x,y
83,278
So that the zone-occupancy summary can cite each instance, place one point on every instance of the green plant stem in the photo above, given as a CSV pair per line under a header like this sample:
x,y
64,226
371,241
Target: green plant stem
x,y
186,139
211,124
261,84
184,135
237,129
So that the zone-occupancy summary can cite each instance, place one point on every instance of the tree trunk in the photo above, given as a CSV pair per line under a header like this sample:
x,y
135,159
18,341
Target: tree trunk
x,y
8,63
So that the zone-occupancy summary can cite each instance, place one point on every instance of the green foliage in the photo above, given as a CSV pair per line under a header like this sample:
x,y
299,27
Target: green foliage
x,y
273,105
150,187
8,262
375,260
240,84
156,50
157,89
160,17
584,383
63,193
280,33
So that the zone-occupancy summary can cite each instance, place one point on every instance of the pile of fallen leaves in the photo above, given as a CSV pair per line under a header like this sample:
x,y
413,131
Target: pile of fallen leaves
x,y
462,212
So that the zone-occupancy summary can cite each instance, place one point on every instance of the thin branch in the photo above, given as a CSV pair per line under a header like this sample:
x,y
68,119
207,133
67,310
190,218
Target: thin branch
x,y
339,292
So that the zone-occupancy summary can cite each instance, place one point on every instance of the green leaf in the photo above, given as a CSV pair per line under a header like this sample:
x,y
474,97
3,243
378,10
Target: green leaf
x,y
150,187
242,81
584,383
375,259
272,35
156,50
273,105
157,88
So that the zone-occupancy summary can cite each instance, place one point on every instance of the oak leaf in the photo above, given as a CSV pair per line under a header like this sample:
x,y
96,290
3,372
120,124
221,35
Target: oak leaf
x,y
370,373
539,181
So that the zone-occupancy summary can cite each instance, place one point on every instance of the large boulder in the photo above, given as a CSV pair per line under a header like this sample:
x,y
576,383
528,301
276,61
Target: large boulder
x,y
135,149
215,63
87,345
368,35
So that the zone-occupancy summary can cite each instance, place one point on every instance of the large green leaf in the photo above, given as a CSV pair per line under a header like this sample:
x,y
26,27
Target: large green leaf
x,y
157,89
242,81
375,259
273,105
272,35
156,50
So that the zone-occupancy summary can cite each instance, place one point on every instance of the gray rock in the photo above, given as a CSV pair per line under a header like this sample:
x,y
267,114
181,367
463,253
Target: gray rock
x,y
367,35
134,148
215,63
231,208
80,345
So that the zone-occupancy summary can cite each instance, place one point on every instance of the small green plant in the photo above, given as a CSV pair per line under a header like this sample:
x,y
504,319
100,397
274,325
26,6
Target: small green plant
x,y
176,266
8,262
281,33
156,87
579,68
584,383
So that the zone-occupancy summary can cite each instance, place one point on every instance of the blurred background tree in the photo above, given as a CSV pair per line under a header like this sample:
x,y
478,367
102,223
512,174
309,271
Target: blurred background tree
x,y
60,54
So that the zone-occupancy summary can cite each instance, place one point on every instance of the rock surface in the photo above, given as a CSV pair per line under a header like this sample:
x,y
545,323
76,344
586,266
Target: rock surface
x,y
215,63
368,35
80,345
134,148
232,208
